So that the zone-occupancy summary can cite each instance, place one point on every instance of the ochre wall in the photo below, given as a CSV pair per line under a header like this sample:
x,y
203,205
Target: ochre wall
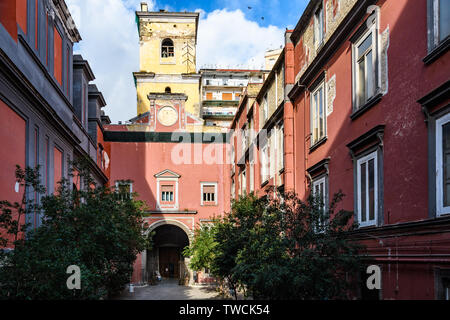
x,y
153,33
192,104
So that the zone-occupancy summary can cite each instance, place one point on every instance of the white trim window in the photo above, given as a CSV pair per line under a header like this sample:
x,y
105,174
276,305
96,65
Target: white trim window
x,y
365,68
319,189
441,21
318,26
280,147
443,165
272,153
244,183
264,164
318,114
367,190
233,188
124,189
208,194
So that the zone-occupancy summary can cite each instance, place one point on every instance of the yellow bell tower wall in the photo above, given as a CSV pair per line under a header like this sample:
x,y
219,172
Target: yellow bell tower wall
x,y
189,87
168,42
183,37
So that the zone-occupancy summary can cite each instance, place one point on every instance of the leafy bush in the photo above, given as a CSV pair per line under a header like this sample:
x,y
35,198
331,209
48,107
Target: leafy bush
x,y
283,250
94,228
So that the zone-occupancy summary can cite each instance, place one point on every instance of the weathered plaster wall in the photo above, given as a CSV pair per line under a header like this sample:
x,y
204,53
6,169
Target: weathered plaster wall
x,y
181,32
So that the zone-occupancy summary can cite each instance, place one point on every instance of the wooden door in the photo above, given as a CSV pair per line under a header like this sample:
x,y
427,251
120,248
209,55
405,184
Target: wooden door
x,y
169,262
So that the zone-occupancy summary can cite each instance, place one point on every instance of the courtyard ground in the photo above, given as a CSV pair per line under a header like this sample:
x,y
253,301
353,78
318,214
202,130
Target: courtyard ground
x,y
170,290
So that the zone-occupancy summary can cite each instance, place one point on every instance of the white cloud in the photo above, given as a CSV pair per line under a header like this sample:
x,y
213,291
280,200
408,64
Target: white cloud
x,y
111,45
228,39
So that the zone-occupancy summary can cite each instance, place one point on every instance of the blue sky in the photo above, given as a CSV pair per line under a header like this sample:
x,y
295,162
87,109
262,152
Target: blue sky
x,y
281,13
230,35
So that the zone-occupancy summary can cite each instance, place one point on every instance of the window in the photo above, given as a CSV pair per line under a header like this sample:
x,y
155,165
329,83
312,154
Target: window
x,y
101,160
209,96
280,147
57,168
36,24
68,70
446,286
167,193
365,66
21,14
244,183
318,26
440,22
233,188
318,117
58,56
367,190
168,90
209,194
442,281
227,96
319,190
252,177
443,165
84,106
264,164
244,133
124,190
167,49
272,153
46,39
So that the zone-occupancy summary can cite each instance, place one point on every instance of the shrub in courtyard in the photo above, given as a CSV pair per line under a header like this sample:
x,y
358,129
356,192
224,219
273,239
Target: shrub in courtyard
x,y
283,250
95,228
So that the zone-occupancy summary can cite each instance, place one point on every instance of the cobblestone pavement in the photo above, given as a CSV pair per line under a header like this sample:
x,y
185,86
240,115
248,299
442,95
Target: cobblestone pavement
x,y
170,290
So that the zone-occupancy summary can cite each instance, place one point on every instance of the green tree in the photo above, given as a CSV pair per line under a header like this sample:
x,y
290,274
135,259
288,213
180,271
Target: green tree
x,y
290,249
95,228
203,247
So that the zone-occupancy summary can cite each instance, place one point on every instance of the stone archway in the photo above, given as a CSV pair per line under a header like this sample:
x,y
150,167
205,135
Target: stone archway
x,y
170,238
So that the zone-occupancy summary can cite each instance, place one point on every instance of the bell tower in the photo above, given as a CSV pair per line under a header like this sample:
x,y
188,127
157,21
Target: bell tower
x,y
168,42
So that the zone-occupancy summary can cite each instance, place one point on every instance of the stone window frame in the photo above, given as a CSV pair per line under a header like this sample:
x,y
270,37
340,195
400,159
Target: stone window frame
x,y
319,173
318,84
432,112
436,47
319,25
216,194
367,144
370,26
127,183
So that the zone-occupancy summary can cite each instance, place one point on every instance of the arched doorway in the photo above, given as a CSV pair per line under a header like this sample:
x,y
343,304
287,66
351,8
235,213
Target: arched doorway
x,y
167,254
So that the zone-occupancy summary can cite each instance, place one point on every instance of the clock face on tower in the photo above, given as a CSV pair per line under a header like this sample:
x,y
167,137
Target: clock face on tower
x,y
167,116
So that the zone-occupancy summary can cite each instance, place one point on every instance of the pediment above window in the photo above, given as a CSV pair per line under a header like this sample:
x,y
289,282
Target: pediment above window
x,y
167,174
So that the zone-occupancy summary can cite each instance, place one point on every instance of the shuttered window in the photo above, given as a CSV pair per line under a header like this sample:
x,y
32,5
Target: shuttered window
x,y
58,56
209,194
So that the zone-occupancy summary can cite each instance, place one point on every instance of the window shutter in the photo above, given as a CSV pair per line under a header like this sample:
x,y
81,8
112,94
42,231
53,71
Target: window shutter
x,y
209,189
167,188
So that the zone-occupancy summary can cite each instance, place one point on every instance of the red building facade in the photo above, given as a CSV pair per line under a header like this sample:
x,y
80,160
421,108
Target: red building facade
x,y
365,112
